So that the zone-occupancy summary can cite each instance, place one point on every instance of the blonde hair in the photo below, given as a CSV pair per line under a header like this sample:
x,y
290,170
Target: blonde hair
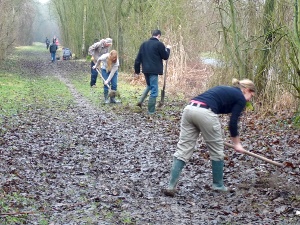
x,y
112,58
245,83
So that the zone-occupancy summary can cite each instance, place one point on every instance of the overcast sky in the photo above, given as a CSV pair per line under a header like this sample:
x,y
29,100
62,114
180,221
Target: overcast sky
x,y
43,1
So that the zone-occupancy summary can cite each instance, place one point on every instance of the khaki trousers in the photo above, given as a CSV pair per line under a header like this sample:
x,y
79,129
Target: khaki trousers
x,y
195,120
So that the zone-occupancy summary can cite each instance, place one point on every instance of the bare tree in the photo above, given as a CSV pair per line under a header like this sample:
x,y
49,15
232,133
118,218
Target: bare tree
x,y
268,43
15,24
250,38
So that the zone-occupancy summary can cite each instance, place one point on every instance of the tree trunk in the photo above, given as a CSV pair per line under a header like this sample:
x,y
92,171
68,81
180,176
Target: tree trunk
x,y
235,33
263,67
104,16
83,29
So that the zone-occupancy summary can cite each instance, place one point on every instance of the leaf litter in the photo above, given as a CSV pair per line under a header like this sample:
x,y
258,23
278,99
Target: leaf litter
x,y
84,165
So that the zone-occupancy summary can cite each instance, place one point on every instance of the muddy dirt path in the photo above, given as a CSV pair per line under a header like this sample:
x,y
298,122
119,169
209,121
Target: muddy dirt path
x,y
87,166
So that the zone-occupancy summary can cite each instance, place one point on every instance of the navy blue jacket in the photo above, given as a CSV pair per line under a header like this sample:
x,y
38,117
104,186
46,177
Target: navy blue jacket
x,y
225,100
150,55
53,48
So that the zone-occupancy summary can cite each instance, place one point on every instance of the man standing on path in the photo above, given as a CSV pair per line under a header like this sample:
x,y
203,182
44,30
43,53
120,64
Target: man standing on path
x,y
52,49
96,50
150,55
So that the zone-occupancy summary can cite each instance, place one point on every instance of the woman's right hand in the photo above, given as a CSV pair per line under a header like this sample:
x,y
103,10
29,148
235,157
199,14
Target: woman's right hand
x,y
237,144
239,148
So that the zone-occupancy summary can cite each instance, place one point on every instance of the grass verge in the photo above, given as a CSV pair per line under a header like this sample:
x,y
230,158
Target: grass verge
x,y
19,94
129,91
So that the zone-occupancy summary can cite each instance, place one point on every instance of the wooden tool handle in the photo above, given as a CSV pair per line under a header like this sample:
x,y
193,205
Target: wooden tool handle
x,y
102,77
257,156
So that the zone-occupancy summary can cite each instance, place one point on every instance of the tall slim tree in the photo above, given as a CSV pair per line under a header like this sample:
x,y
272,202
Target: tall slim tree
x,y
269,37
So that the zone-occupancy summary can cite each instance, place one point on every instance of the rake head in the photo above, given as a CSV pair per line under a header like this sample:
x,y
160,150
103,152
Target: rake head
x,y
112,94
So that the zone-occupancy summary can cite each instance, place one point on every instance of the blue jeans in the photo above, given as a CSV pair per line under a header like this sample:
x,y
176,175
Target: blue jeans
x,y
94,75
53,56
152,84
113,82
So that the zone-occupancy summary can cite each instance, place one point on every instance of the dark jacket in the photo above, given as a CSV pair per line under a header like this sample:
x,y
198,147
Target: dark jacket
x,y
53,48
225,100
150,55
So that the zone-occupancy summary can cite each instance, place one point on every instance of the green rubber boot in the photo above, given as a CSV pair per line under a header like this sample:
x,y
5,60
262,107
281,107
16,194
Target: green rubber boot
x,y
143,97
151,105
106,99
174,177
217,170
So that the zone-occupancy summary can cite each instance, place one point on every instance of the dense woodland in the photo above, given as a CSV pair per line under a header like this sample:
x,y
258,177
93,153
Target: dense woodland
x,y
255,39
67,158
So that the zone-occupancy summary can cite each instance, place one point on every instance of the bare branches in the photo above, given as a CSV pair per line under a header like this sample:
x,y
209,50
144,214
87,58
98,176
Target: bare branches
x,y
15,24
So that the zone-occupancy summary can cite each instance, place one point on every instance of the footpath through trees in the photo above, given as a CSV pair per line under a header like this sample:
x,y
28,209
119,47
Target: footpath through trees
x,y
80,163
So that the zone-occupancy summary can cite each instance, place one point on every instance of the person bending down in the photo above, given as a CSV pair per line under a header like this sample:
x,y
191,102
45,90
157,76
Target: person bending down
x,y
201,114
96,50
109,70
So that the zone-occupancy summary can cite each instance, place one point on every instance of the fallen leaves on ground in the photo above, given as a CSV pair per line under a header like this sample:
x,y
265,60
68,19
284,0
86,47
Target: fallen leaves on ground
x,y
84,165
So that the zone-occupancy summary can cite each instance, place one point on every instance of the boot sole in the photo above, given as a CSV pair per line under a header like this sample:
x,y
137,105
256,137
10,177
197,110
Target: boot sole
x,y
223,190
168,192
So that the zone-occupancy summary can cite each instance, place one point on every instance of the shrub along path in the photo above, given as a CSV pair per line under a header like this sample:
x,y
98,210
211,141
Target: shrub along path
x,y
74,162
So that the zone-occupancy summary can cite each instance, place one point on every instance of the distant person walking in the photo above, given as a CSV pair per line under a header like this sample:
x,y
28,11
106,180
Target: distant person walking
x,y
96,50
53,49
151,55
47,43
109,70
57,42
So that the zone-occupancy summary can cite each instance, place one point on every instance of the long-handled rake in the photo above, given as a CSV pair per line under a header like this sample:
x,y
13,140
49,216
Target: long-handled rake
x,y
286,164
111,93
